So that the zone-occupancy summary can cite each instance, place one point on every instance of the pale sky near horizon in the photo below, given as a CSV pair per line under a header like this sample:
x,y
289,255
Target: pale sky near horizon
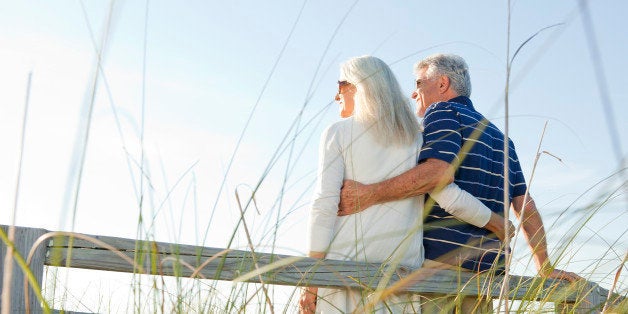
x,y
190,79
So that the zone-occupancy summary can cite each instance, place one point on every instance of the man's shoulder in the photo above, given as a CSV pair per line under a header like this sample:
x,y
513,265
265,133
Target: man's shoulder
x,y
465,112
446,107
443,105
442,111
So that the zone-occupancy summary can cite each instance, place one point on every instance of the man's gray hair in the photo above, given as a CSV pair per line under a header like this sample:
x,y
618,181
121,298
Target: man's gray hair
x,y
452,66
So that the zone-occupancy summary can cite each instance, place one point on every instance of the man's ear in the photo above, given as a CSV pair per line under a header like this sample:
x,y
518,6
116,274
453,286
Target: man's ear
x,y
443,84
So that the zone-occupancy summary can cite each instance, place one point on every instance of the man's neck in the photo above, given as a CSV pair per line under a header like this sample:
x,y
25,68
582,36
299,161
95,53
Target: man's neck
x,y
450,95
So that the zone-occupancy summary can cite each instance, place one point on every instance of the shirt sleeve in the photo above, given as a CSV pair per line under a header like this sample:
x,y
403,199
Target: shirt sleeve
x,y
441,134
327,194
462,205
518,181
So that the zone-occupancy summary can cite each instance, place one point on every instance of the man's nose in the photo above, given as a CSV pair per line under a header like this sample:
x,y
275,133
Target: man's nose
x,y
337,98
414,95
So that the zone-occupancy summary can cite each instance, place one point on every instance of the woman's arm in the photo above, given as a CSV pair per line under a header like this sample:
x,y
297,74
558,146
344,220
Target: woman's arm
x,y
324,207
327,193
466,207
307,301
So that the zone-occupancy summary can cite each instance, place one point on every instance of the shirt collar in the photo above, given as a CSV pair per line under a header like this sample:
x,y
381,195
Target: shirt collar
x,y
462,100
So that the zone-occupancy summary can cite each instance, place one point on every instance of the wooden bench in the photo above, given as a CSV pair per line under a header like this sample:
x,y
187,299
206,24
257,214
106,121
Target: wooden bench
x,y
169,259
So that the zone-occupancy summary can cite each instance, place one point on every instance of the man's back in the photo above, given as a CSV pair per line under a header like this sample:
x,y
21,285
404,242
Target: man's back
x,y
456,133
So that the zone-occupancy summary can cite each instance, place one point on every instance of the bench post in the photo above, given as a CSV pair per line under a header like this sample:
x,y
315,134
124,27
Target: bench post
x,y
592,301
23,241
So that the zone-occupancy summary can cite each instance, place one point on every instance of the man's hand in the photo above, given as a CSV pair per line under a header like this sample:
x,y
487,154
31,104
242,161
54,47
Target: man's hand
x,y
496,225
307,301
424,178
550,272
354,198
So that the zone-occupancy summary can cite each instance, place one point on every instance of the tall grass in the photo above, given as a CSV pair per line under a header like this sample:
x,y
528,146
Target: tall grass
x,y
163,294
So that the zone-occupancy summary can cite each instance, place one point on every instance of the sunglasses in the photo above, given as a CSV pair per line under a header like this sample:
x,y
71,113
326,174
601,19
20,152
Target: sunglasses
x,y
341,84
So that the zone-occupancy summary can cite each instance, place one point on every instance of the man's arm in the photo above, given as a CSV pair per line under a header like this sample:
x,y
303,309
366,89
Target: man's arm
x,y
425,177
441,144
534,232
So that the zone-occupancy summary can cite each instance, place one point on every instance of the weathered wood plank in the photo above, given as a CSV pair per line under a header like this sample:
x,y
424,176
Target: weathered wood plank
x,y
169,259
592,303
24,240
123,244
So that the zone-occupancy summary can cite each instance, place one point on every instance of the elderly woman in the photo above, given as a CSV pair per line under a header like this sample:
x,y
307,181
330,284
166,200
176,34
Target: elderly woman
x,y
379,139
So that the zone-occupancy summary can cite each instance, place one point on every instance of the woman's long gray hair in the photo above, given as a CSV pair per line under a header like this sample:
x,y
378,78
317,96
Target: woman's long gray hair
x,y
379,101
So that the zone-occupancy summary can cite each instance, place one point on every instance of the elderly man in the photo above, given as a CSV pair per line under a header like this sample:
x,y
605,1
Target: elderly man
x,y
460,144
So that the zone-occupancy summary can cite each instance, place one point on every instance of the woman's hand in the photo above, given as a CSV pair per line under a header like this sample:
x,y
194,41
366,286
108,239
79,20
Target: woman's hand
x,y
307,301
496,224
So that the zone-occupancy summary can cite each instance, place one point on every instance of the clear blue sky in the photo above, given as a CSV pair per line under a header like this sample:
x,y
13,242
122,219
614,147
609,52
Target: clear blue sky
x,y
214,71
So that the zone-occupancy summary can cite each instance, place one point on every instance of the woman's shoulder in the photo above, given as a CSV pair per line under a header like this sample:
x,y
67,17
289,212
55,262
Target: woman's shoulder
x,y
343,125
345,132
334,131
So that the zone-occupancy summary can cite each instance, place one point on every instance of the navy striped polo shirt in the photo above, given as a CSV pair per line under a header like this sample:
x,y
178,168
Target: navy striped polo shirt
x,y
456,133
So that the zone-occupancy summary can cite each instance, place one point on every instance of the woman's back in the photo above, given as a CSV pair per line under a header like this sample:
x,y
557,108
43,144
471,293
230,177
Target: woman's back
x,y
389,232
